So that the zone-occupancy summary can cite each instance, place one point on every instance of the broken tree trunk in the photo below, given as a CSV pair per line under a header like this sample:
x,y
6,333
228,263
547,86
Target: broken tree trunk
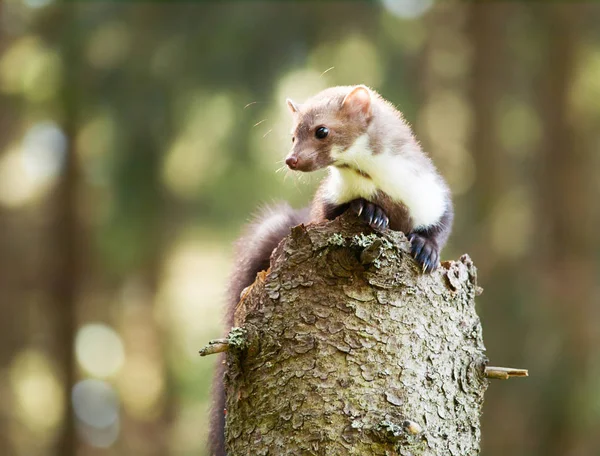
x,y
345,347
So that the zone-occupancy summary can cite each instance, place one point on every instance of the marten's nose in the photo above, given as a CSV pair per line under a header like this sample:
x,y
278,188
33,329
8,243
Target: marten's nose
x,y
292,162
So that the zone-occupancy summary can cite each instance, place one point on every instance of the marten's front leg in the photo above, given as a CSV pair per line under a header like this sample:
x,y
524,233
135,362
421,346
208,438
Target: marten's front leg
x,y
425,250
370,213
365,210
427,242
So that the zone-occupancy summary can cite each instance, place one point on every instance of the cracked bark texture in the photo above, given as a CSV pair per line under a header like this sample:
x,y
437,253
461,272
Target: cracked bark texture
x,y
349,349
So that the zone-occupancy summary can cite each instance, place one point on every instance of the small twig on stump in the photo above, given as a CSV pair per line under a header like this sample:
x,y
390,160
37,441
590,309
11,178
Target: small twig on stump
x,y
504,373
237,339
215,346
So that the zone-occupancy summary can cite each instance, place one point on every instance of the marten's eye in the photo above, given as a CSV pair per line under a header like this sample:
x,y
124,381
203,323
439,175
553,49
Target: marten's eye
x,y
322,132
293,138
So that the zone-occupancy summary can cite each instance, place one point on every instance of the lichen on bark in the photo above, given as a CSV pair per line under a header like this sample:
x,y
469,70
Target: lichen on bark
x,y
353,350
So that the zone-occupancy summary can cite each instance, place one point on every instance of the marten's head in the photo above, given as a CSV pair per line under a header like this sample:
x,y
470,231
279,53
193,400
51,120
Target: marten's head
x,y
326,125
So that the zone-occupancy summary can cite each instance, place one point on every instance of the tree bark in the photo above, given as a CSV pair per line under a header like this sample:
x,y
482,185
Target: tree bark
x,y
345,347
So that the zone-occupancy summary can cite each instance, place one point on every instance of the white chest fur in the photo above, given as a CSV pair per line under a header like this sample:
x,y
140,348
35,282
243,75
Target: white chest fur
x,y
403,180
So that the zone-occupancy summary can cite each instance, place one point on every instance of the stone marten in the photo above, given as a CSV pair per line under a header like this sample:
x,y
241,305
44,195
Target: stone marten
x,y
377,170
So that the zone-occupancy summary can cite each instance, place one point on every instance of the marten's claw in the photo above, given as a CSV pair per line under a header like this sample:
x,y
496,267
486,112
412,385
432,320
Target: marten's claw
x,y
425,251
370,213
380,220
357,206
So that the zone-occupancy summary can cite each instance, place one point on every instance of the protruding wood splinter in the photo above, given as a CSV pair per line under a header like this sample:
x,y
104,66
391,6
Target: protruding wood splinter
x,y
215,346
504,373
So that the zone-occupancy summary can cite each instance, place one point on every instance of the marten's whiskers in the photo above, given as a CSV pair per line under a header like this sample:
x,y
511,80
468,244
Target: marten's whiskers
x,y
288,173
326,71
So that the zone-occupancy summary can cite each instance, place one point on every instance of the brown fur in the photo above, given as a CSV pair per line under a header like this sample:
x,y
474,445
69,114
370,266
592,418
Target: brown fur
x,y
325,109
397,213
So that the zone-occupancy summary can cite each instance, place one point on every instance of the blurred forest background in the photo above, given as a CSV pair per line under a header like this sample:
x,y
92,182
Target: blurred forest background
x,y
137,138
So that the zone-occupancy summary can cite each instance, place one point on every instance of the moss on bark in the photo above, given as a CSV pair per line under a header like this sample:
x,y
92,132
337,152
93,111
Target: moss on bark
x,y
352,350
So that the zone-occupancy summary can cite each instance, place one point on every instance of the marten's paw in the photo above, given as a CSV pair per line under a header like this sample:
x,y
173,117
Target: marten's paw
x,y
425,251
370,213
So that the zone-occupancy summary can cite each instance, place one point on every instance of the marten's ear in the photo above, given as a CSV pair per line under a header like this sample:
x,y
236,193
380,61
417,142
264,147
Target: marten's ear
x,y
294,108
358,101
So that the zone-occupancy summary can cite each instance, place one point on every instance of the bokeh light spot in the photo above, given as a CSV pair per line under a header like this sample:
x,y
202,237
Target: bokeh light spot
x,y
42,76
44,149
99,350
95,403
30,68
37,3
585,91
408,9
99,437
27,171
347,70
36,388
96,408
191,292
298,85
15,62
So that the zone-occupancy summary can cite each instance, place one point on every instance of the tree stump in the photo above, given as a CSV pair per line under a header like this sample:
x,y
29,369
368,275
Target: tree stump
x,y
345,347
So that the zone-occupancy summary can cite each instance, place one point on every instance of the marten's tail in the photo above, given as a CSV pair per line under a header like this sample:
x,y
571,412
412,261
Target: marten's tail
x,y
253,250
252,255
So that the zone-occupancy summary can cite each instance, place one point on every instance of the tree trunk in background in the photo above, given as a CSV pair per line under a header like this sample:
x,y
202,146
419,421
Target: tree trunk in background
x,y
488,32
350,349
12,325
148,208
486,28
65,272
64,294
566,202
